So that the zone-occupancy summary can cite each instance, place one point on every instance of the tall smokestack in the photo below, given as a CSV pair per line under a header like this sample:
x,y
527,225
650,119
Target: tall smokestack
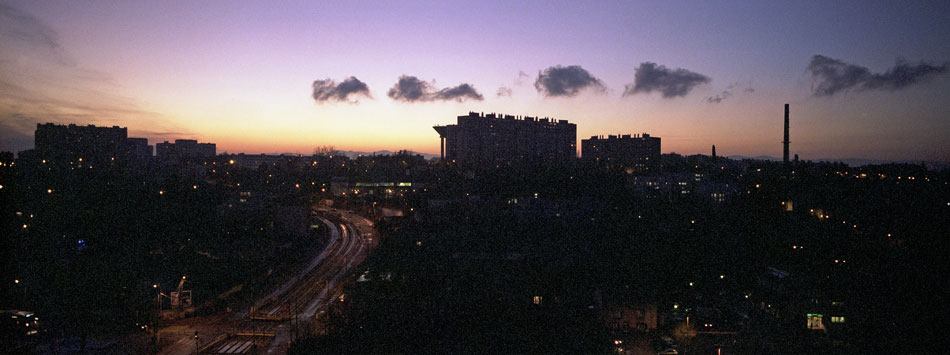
x,y
785,142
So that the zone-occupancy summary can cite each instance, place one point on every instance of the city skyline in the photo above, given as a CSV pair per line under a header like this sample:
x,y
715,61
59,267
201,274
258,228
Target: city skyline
x,y
367,77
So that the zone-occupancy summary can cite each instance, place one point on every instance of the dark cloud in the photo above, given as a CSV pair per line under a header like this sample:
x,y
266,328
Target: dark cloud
x,y
458,93
328,90
504,91
832,76
566,81
671,83
411,89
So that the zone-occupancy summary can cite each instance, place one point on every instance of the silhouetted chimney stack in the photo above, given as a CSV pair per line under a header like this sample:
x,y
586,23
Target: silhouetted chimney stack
x,y
785,142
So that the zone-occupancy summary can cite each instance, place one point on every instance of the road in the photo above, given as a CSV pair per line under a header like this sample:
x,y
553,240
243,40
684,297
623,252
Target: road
x,y
270,324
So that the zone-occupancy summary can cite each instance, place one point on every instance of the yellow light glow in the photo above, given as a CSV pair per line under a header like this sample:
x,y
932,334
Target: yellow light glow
x,y
49,191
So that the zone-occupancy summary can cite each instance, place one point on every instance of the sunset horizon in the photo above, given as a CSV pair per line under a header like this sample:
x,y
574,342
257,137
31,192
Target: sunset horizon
x,y
368,77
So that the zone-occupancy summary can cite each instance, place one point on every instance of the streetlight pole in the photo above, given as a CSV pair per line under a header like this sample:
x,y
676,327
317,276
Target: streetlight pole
x,y
196,342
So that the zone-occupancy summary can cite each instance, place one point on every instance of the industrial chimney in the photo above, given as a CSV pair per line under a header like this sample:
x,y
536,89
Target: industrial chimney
x,y
785,142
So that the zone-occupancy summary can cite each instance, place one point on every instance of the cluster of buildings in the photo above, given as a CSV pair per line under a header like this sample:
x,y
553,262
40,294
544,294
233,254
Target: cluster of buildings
x,y
477,140
91,143
481,140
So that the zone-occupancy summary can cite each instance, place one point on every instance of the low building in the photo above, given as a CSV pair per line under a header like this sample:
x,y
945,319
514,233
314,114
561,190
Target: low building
x,y
631,153
184,148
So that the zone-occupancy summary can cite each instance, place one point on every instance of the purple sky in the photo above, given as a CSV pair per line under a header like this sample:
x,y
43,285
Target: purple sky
x,y
242,74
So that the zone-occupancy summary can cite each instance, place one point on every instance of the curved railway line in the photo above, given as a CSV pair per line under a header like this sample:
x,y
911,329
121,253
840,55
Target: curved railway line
x,y
267,327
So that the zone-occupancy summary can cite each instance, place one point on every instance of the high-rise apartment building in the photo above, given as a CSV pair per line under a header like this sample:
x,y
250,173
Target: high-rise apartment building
x,y
494,140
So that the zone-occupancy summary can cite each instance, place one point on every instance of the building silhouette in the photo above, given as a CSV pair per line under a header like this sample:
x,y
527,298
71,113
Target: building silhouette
x,y
139,149
88,142
494,140
627,152
184,148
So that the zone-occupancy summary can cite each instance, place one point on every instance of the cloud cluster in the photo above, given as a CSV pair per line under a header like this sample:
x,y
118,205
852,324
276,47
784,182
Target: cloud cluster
x,y
832,76
411,89
566,81
504,91
329,90
670,83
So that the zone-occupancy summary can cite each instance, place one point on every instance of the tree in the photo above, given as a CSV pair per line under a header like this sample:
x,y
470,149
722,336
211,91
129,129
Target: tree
x,y
324,150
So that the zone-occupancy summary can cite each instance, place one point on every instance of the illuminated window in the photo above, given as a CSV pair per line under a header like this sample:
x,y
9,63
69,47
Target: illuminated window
x,y
536,300
836,319
814,322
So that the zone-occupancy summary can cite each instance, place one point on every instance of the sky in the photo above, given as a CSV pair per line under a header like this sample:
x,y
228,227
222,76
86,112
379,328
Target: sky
x,y
865,79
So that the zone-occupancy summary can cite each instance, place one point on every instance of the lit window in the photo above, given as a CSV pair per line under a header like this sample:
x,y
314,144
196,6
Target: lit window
x,y
536,300
814,322
837,319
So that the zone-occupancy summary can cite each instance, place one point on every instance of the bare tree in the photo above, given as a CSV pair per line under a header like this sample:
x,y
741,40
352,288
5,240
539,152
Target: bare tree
x,y
325,150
